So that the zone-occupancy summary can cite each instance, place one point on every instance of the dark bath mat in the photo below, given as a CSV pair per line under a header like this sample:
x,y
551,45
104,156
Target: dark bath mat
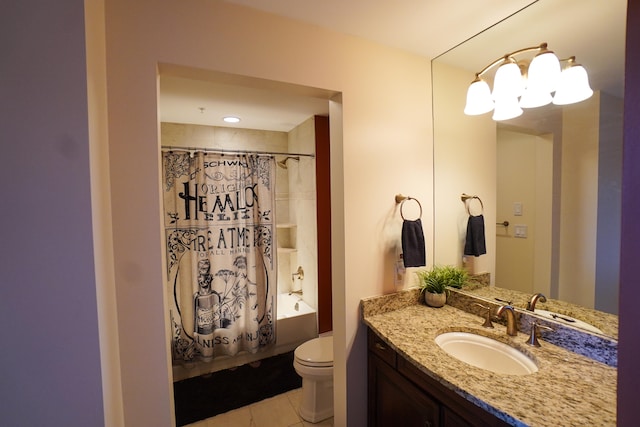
x,y
203,397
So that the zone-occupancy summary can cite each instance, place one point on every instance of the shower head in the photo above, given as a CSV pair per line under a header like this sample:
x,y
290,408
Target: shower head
x,y
283,163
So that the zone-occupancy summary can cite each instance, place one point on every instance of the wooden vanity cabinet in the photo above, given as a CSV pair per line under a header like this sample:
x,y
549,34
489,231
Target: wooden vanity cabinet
x,y
399,394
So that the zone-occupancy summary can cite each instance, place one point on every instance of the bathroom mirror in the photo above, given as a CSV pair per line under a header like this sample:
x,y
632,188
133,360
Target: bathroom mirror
x,y
552,173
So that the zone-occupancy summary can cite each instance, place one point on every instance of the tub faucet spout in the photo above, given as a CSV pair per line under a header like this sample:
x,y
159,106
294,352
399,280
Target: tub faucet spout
x,y
512,326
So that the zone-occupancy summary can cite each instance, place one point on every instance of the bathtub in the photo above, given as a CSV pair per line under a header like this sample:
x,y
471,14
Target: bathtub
x,y
297,322
293,327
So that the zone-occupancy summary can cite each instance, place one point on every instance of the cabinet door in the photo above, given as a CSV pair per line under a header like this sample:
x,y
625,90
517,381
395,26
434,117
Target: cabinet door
x,y
451,419
394,401
456,411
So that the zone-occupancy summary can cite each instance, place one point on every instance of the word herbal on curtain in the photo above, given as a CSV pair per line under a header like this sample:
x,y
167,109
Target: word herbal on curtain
x,y
220,225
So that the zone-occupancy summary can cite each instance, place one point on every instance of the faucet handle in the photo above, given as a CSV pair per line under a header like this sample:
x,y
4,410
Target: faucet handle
x,y
533,336
487,320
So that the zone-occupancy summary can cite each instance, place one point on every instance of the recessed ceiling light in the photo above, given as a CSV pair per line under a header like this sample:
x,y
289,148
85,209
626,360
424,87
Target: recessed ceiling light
x,y
231,119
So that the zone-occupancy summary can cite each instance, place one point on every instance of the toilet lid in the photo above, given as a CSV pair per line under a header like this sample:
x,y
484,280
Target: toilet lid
x,y
316,352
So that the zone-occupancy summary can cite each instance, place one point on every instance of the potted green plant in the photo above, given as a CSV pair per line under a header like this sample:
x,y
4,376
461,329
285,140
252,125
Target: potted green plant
x,y
433,283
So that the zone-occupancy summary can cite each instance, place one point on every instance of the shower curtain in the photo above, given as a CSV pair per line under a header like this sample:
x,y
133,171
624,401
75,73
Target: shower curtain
x,y
219,228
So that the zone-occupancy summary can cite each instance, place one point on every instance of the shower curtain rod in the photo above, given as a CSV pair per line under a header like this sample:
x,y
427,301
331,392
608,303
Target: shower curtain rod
x,y
222,150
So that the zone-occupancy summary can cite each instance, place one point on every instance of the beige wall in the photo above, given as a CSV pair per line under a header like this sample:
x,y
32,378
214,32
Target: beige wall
x,y
524,166
381,145
101,212
578,221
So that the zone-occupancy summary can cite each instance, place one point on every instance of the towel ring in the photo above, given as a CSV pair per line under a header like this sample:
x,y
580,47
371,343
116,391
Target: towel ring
x,y
465,198
401,199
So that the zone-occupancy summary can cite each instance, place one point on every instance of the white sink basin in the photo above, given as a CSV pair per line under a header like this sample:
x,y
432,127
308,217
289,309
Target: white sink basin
x,y
486,353
567,320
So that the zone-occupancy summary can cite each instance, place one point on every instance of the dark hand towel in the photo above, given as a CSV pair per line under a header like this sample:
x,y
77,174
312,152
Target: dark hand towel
x,y
475,244
413,251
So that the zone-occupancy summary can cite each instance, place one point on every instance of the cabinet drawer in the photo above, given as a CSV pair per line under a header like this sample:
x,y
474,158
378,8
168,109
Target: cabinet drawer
x,y
381,349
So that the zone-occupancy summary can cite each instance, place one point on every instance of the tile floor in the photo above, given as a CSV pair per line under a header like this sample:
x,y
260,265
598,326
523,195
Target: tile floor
x,y
277,411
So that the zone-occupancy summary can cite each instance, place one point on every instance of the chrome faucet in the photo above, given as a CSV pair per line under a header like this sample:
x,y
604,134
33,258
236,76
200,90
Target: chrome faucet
x,y
512,326
531,305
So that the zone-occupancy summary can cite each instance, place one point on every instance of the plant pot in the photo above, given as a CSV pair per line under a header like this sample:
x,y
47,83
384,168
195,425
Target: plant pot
x,y
435,300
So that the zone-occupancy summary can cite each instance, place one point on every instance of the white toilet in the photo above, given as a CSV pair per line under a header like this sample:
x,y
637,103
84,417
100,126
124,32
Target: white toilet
x,y
313,361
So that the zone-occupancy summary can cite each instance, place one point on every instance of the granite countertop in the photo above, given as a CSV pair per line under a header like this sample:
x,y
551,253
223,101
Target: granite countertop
x,y
568,390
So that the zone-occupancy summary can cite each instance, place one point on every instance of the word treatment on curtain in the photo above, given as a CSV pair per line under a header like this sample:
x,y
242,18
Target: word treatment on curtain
x,y
219,224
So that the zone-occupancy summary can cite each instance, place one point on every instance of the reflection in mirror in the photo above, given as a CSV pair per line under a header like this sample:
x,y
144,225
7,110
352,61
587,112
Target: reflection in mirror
x,y
553,173
558,311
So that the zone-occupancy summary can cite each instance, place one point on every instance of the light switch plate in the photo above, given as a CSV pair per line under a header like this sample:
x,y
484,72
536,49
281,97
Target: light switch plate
x,y
517,208
520,231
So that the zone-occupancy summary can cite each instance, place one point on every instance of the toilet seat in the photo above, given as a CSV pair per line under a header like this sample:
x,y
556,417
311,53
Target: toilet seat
x,y
317,352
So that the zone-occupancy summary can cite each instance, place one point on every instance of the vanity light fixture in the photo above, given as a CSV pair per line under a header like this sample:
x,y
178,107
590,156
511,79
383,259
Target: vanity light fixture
x,y
231,119
573,85
520,84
